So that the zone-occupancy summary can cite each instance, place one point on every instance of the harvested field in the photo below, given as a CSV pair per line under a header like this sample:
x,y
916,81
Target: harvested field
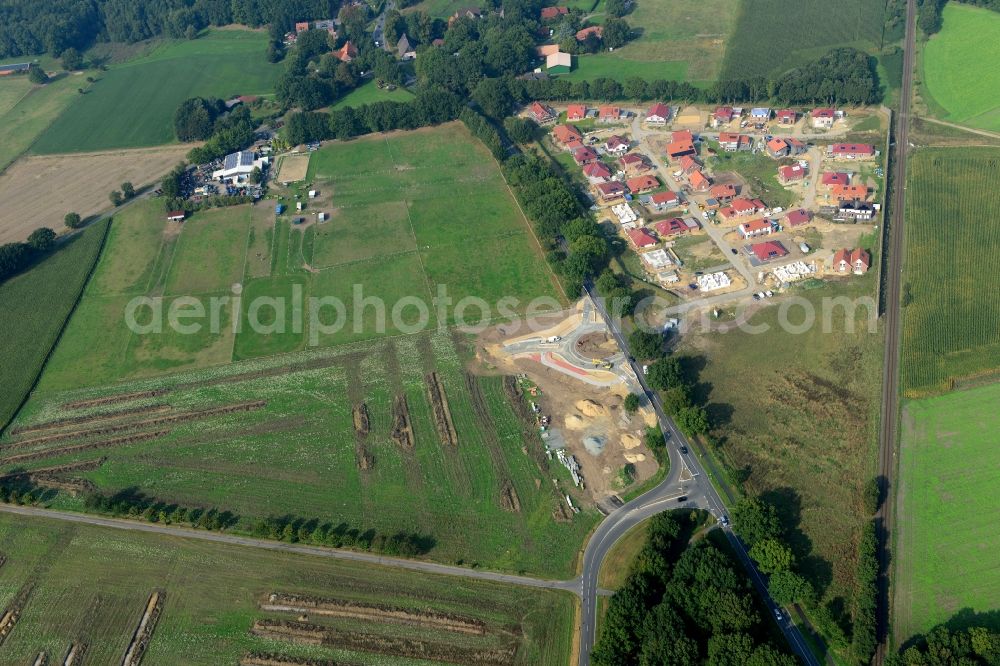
x,y
316,634
142,634
362,422
297,603
508,498
162,420
402,430
113,399
83,420
82,466
442,414
268,659
78,448
75,654
31,197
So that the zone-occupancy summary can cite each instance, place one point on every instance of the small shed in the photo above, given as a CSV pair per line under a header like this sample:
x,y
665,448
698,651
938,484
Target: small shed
x,y
298,206
279,209
312,194
176,216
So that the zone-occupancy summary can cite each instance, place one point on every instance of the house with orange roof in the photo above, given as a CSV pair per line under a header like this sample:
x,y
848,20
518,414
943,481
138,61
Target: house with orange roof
x,y
642,184
587,32
541,113
688,164
699,182
777,148
856,261
609,114
563,134
755,228
679,149
347,52
576,112
732,142
849,192
723,193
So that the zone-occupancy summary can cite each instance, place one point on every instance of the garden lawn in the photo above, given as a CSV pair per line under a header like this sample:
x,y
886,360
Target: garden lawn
x,y
369,93
35,305
91,585
133,104
948,524
951,316
960,71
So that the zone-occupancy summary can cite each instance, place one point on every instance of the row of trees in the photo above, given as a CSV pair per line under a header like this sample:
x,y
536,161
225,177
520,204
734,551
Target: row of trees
x,y
301,530
684,604
126,193
973,646
230,132
130,503
929,13
15,257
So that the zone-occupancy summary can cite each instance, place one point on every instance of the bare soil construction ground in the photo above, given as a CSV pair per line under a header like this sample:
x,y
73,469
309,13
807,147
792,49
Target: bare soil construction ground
x,y
292,168
38,190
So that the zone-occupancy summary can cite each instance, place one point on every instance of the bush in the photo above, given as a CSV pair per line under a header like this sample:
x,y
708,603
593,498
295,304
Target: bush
x,y
645,345
631,403
72,220
37,75
42,240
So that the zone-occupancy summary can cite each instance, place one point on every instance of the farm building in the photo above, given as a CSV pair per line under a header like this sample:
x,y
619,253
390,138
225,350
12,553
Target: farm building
x,y
616,145
239,165
732,142
176,216
722,116
777,148
585,155
671,227
856,261
576,112
541,113
688,163
566,133
723,193
642,184
823,118
559,62
699,182
852,151
663,200
658,114
754,228
768,250
549,13
596,172
786,117
634,163
347,52
17,68
791,174
641,238
610,191
798,217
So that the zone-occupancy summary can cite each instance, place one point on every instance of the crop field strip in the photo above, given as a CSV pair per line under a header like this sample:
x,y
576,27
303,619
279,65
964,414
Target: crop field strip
x,y
806,33
29,110
948,522
200,603
951,318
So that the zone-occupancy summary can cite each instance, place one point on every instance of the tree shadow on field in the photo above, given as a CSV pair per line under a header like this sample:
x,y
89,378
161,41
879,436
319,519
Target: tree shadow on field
x,y
788,504
960,621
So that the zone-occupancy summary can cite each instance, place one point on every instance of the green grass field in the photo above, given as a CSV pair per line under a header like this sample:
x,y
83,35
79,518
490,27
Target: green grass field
x,y
948,522
133,104
771,37
29,330
26,110
759,171
679,41
91,585
369,93
798,414
960,73
951,320
397,232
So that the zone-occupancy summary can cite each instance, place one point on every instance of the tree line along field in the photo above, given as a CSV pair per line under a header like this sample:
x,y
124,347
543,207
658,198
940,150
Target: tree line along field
x,y
133,104
681,41
90,586
797,420
771,36
397,230
948,521
951,317
959,73
30,331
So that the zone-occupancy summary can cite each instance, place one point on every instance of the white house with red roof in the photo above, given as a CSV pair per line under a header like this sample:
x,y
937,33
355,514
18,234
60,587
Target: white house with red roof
x,y
755,228
541,113
732,142
597,172
777,148
823,117
742,207
642,184
616,145
851,151
658,115
768,250
641,238
664,200
610,190
856,261
576,112
722,116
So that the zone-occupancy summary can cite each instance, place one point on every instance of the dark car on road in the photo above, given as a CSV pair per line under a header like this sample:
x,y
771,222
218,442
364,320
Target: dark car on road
x,y
682,499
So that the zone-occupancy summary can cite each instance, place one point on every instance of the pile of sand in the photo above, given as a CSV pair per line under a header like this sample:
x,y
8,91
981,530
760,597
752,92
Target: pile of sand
x,y
630,441
634,457
591,408
574,422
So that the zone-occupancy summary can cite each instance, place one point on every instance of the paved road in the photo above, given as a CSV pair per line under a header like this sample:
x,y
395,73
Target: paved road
x,y
301,549
699,492
890,372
